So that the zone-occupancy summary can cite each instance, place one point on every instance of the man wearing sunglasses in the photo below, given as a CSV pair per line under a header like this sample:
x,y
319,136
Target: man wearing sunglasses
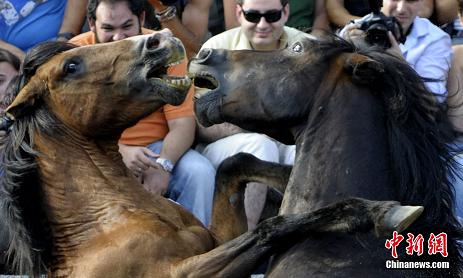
x,y
261,28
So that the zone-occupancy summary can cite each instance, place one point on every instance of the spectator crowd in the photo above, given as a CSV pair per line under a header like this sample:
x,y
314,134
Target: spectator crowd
x,y
169,152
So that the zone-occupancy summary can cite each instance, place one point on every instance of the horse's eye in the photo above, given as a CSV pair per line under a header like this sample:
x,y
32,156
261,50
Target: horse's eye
x,y
297,47
71,67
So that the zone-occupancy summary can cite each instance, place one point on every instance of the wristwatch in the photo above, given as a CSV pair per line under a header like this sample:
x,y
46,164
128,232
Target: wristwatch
x,y
166,164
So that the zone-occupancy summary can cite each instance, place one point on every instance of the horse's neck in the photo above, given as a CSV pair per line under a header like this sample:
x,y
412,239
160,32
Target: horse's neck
x,y
341,153
78,176
74,156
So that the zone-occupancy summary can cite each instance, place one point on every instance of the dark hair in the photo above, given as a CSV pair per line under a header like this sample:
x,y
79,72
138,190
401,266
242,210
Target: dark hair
x,y
136,6
283,2
10,58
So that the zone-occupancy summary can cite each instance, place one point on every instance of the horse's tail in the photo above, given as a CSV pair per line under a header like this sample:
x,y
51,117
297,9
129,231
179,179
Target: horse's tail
x,y
19,204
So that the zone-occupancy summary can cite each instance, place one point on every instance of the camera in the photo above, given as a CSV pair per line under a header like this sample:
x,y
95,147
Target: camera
x,y
376,25
169,2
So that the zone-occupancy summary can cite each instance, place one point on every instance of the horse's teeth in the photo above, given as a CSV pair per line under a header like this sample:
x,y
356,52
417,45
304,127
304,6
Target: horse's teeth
x,y
179,82
174,63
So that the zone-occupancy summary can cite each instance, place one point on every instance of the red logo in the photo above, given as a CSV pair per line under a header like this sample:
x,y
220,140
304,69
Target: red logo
x,y
393,243
436,244
414,244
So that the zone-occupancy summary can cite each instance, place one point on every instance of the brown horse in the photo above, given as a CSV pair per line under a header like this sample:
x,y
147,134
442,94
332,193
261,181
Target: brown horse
x,y
364,125
71,205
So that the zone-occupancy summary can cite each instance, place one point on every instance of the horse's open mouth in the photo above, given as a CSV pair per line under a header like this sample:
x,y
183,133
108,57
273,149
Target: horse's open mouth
x,y
157,74
204,83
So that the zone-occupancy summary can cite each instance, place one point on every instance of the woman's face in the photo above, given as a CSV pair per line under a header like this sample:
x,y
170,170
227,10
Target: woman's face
x,y
7,72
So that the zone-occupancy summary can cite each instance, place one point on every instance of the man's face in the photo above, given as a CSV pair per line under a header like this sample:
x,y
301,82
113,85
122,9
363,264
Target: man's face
x,y
405,11
115,21
263,35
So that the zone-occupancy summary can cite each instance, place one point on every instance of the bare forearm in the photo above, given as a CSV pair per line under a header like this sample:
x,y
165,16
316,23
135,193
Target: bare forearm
x,y
446,11
455,89
337,14
216,132
229,7
190,41
74,16
192,28
321,17
179,139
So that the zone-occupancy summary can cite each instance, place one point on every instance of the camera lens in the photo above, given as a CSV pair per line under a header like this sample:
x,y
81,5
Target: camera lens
x,y
169,2
377,35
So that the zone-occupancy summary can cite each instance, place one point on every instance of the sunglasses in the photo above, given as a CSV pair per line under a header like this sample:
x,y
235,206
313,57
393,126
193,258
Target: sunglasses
x,y
255,16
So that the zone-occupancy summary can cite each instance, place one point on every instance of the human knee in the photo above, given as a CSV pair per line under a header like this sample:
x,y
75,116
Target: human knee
x,y
195,169
260,146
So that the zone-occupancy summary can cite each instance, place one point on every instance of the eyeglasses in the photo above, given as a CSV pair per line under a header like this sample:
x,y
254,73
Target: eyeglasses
x,y
255,16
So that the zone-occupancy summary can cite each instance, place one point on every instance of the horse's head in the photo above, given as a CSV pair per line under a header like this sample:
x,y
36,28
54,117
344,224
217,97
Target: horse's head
x,y
104,88
267,91
250,84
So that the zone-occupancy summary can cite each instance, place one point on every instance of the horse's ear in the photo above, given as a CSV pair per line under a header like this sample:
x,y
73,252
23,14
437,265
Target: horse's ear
x,y
27,98
363,69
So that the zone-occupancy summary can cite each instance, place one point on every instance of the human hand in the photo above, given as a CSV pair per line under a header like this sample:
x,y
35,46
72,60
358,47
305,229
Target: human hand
x,y
156,180
353,33
137,159
394,49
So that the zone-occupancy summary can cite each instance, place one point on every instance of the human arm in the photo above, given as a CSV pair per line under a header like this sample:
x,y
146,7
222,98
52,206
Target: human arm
x,y
137,158
177,141
13,49
192,29
179,138
216,132
434,62
427,9
229,14
430,60
320,18
74,17
338,14
446,11
455,89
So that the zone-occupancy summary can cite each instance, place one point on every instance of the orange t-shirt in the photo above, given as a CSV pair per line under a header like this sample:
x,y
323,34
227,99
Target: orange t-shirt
x,y
153,127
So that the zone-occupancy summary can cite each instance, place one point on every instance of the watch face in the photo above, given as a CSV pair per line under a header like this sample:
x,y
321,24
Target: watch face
x,y
166,164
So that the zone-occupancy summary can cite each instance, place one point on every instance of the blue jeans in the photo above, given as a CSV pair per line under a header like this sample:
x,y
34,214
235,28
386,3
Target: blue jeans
x,y
458,186
191,183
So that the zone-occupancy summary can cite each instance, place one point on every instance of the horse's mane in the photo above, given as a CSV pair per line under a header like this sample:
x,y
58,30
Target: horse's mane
x,y
21,204
420,136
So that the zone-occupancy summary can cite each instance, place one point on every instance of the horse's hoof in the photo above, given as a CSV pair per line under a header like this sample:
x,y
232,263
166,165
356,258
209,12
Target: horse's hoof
x,y
399,218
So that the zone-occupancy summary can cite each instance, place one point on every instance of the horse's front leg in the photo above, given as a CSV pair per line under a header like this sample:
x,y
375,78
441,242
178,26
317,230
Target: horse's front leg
x,y
228,214
240,256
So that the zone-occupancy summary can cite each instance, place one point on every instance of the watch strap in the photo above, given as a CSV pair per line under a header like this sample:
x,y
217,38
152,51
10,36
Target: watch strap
x,y
166,164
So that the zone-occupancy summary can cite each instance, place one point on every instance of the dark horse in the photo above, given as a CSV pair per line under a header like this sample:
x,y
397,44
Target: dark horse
x,y
71,205
364,125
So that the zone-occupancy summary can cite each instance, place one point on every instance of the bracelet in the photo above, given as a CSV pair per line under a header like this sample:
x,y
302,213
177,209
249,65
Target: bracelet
x,y
66,35
167,14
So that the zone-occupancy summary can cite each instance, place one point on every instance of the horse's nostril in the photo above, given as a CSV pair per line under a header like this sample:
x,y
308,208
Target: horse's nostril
x,y
204,54
153,42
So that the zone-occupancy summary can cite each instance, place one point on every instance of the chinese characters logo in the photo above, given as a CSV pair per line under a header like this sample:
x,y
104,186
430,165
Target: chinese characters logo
x,y
436,244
